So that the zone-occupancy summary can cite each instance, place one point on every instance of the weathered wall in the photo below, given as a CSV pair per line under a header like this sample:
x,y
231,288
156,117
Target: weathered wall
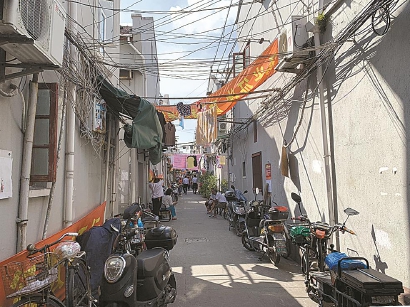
x,y
367,88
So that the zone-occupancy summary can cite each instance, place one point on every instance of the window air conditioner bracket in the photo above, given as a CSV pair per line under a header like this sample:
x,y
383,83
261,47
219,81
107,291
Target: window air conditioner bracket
x,y
27,68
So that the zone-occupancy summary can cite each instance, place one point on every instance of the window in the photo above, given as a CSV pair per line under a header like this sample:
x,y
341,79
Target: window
x,y
243,169
126,74
44,158
255,131
105,23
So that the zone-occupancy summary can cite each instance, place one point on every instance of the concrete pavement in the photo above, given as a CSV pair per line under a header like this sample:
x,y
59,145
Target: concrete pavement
x,y
212,267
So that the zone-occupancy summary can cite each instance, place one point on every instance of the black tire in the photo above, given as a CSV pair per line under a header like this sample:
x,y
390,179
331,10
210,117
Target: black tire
x,y
37,300
304,262
78,287
239,228
288,248
225,213
246,243
274,257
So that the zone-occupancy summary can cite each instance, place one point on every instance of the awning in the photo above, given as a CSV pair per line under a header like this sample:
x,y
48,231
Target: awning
x,y
118,101
227,96
145,132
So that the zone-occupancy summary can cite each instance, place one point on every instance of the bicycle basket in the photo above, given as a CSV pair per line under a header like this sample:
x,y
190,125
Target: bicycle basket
x,y
299,234
29,276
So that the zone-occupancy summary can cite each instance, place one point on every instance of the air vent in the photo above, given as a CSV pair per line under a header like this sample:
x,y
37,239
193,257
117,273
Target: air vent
x,y
34,31
36,17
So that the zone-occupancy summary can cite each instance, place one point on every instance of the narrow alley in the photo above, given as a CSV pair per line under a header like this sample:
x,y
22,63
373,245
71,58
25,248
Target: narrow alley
x,y
214,269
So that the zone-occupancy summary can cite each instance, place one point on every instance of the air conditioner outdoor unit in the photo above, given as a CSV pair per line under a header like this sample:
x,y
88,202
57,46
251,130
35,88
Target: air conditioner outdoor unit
x,y
34,31
222,127
292,41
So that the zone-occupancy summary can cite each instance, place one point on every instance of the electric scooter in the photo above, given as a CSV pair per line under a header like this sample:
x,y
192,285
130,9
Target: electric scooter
x,y
144,280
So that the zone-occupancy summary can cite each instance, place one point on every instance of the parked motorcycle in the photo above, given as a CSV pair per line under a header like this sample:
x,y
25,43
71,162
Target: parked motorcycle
x,y
236,209
142,280
339,280
264,230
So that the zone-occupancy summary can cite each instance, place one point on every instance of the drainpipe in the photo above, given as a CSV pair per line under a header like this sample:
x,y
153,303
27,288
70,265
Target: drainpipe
x,y
134,159
114,190
326,154
70,143
107,158
26,165
143,64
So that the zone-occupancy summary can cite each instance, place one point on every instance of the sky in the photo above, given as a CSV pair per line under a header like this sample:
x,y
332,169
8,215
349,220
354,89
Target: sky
x,y
187,45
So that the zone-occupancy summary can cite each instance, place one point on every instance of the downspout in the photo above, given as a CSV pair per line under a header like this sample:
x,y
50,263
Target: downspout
x,y
134,155
70,142
143,64
26,165
107,158
325,142
114,190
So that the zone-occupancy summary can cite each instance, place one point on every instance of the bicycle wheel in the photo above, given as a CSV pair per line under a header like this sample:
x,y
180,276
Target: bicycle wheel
x,y
304,261
37,300
78,290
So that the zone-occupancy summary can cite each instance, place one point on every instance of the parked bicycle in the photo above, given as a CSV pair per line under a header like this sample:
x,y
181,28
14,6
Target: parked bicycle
x,y
32,279
314,240
339,280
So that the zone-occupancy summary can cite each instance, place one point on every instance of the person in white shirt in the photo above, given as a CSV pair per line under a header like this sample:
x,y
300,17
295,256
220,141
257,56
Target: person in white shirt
x,y
185,183
219,202
156,194
169,204
194,184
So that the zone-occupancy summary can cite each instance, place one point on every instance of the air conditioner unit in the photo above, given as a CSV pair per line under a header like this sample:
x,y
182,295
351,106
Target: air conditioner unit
x,y
222,127
34,31
292,42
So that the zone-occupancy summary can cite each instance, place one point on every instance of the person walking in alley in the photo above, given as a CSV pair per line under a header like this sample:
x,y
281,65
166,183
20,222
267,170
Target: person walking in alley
x,y
156,193
218,203
194,184
169,204
185,183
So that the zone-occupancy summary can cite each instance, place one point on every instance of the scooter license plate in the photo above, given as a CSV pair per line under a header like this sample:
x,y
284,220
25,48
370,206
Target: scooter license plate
x,y
384,300
281,246
278,237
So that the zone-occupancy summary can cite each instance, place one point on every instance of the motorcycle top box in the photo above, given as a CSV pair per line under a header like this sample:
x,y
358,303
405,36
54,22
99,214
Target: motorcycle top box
x,y
163,236
230,195
371,282
278,213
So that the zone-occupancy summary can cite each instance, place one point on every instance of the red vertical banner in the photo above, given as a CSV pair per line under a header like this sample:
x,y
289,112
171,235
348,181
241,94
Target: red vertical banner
x,y
94,218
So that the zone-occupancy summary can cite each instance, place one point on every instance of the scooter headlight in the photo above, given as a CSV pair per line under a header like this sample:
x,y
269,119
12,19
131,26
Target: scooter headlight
x,y
113,269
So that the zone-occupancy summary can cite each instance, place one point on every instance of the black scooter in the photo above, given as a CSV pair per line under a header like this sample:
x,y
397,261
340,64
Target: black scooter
x,y
236,209
144,280
264,230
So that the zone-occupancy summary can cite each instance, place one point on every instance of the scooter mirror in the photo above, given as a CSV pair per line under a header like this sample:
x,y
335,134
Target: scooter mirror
x,y
232,187
246,191
350,211
296,197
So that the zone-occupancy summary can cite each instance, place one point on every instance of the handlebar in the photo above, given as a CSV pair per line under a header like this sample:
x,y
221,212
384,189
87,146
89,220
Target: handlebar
x,y
31,248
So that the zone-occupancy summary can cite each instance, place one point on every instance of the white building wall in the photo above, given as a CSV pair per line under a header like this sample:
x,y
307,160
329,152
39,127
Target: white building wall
x,y
366,86
89,170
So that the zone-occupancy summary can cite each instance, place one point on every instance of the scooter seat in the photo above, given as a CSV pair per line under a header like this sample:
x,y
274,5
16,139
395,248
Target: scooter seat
x,y
149,261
